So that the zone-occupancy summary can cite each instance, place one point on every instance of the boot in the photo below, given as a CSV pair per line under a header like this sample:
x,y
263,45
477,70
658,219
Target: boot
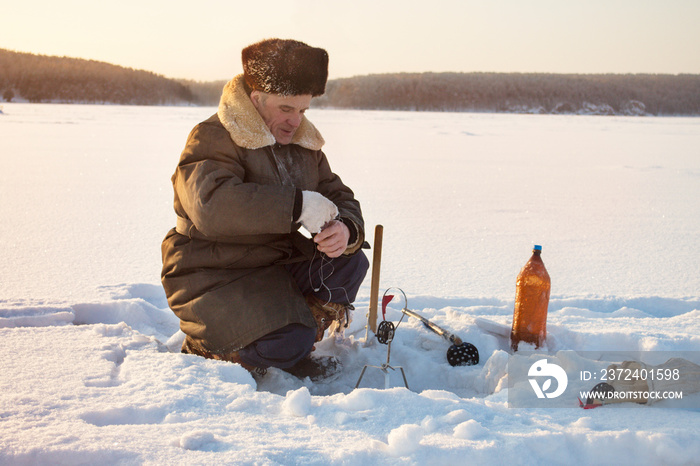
x,y
327,313
316,368
189,346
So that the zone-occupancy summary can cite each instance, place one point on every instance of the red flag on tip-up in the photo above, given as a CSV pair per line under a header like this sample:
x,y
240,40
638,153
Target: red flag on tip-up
x,y
386,299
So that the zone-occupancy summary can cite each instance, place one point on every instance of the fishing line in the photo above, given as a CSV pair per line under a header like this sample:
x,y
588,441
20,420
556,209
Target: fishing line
x,y
325,261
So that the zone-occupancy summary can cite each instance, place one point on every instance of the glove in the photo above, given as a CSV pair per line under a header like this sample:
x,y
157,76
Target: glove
x,y
316,211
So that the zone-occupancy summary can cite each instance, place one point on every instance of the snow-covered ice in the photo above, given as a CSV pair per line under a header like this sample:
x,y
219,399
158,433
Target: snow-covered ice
x,y
92,373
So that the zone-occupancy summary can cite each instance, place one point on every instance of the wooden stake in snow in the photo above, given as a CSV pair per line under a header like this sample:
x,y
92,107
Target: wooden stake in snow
x,y
374,290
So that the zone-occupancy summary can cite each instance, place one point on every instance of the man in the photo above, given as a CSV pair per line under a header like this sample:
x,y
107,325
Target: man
x,y
247,286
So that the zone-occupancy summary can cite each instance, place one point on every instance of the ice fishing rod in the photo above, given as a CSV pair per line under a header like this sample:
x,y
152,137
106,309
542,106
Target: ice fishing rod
x,y
460,353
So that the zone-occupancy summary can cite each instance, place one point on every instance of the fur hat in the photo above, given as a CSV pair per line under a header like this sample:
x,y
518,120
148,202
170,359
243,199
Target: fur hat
x,y
285,67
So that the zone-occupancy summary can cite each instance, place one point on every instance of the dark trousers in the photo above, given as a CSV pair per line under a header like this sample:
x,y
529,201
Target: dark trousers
x,y
336,280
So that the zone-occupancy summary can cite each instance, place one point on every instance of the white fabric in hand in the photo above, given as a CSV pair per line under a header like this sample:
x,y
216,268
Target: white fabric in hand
x,y
316,211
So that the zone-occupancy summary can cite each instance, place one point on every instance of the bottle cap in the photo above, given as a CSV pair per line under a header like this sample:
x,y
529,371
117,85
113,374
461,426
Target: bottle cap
x,y
538,247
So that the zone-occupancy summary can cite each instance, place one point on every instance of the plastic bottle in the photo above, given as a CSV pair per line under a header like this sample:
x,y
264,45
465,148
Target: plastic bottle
x,y
531,302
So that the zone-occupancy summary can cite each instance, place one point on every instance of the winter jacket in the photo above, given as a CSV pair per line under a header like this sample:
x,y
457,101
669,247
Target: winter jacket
x,y
235,194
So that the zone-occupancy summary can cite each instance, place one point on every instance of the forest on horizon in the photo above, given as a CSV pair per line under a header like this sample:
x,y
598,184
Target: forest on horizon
x,y
26,77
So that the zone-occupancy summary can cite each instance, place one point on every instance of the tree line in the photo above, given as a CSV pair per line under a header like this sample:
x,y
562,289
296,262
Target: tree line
x,y
630,94
39,78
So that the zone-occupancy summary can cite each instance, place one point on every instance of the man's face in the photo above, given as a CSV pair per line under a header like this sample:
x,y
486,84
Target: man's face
x,y
282,114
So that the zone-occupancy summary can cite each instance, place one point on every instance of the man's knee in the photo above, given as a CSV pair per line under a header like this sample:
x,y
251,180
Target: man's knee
x,y
335,280
355,270
363,263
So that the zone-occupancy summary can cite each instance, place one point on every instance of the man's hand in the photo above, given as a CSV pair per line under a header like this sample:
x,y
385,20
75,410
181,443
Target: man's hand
x,y
333,238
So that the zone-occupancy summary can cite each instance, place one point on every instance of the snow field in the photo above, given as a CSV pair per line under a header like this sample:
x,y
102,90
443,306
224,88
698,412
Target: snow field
x,y
93,372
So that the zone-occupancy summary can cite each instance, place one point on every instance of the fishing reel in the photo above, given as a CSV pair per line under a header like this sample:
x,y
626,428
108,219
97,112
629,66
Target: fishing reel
x,y
386,329
385,332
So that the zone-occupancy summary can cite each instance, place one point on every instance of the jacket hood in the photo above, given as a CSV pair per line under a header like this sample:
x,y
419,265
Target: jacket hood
x,y
247,128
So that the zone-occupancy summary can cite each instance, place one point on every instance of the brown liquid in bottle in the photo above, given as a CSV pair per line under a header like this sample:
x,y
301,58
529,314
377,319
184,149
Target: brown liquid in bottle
x,y
531,302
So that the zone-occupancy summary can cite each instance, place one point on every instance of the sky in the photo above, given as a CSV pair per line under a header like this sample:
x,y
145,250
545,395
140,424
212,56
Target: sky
x,y
202,40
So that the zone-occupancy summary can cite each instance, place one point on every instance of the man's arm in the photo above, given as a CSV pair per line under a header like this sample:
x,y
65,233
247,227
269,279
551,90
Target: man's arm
x,y
349,211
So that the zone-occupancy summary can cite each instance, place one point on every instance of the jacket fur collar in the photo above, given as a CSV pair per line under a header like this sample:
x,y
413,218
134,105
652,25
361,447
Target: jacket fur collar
x,y
247,128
